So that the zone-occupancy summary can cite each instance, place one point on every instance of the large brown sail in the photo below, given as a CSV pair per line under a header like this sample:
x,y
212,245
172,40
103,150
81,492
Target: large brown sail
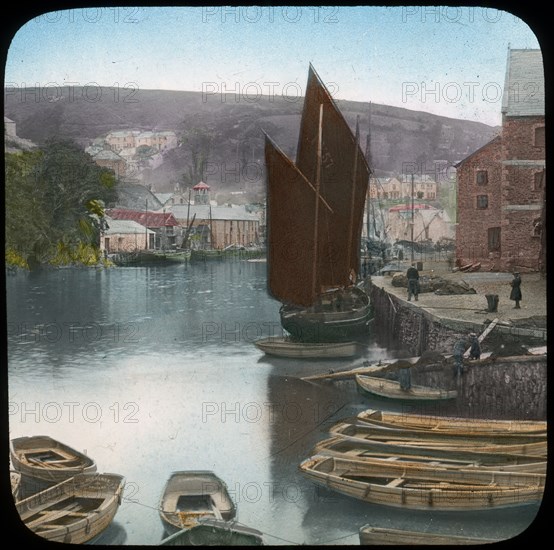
x,y
291,204
343,179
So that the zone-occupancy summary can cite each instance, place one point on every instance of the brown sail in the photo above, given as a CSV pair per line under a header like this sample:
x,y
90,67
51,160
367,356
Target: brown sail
x,y
291,203
343,178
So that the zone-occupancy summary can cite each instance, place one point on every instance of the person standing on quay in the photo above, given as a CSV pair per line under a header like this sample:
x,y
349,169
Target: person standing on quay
x,y
516,290
413,282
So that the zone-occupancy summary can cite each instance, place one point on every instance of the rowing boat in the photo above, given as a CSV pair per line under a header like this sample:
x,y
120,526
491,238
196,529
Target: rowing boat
x,y
75,510
215,532
46,459
362,450
528,444
283,347
376,536
448,424
15,480
191,495
390,389
424,488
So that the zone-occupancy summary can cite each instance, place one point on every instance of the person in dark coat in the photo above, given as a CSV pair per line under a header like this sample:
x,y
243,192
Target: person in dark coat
x,y
475,349
515,294
413,282
458,354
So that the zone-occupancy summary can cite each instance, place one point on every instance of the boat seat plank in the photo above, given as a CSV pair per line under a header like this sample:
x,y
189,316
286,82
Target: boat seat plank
x,y
396,482
48,517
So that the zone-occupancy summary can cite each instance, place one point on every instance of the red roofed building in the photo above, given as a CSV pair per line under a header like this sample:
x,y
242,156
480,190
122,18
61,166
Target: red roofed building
x,y
162,223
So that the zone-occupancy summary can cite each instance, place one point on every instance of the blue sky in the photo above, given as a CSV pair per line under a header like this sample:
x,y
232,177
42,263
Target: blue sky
x,y
443,60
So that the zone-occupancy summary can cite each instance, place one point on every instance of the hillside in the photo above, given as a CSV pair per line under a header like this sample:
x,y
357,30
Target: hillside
x,y
229,131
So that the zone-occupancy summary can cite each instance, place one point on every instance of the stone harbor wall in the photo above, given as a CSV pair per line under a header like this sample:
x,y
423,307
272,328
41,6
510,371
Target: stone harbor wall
x,y
403,325
503,387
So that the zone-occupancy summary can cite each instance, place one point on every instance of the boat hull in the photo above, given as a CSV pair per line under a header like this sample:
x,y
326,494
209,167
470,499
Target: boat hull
x,y
425,488
213,532
74,511
48,460
377,536
281,347
324,323
390,389
190,496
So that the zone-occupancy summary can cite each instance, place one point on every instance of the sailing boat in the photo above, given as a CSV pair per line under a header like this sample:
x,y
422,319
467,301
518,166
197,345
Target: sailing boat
x,y
314,219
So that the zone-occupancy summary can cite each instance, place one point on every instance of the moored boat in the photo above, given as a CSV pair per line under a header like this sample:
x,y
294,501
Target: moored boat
x,y
377,536
191,495
75,510
15,480
391,389
215,532
524,444
43,458
284,347
424,488
314,218
360,450
447,424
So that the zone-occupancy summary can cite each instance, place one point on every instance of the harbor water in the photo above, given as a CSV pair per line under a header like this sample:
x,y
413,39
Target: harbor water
x,y
150,370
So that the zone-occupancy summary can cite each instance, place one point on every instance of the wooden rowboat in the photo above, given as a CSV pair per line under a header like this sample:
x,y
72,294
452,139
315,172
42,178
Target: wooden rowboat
x,y
283,347
46,459
529,444
390,389
191,495
377,536
215,532
424,488
362,450
448,424
15,479
75,510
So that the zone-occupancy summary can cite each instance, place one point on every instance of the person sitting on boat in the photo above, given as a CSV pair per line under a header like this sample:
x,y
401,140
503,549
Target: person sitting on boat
x,y
475,350
413,282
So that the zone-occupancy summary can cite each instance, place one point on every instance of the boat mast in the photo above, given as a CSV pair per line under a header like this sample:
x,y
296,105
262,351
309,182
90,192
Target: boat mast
x,y
317,183
352,197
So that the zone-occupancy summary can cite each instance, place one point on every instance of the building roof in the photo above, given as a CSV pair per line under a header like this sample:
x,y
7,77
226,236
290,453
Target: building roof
x,y
202,211
201,185
146,219
125,227
163,197
106,154
524,85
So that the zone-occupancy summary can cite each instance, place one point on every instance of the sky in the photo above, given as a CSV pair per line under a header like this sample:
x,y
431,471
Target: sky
x,y
444,60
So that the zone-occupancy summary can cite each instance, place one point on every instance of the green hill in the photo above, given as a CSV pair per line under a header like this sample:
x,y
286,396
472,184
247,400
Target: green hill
x,y
233,127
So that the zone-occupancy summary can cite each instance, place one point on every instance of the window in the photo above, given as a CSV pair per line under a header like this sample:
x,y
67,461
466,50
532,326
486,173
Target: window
x,y
538,181
481,177
539,136
482,201
494,239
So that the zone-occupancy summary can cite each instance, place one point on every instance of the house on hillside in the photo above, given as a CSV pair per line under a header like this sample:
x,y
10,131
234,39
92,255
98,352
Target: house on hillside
x,y
162,224
111,160
501,186
125,236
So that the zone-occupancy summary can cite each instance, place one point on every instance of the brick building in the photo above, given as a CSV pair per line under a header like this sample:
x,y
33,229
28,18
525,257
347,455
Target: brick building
x,y
501,186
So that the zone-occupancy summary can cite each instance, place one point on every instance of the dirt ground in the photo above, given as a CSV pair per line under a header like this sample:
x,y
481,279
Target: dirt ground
x,y
473,307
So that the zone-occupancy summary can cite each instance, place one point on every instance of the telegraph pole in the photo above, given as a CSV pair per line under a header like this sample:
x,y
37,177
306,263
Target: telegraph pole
x,y
412,218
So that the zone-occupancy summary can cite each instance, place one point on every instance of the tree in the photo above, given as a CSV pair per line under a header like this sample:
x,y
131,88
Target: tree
x,y
55,201
198,142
